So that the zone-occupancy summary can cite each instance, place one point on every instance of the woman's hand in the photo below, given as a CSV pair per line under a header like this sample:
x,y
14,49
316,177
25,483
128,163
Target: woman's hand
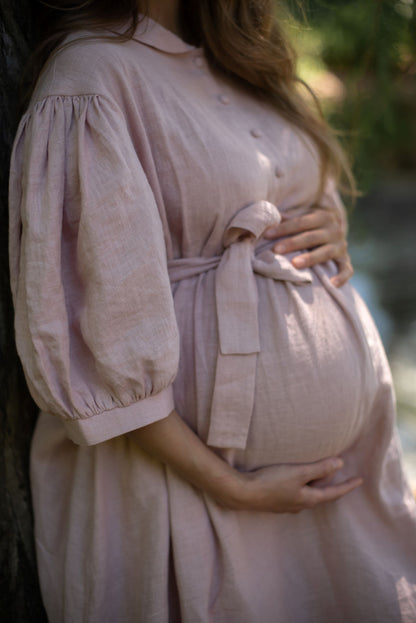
x,y
323,231
292,488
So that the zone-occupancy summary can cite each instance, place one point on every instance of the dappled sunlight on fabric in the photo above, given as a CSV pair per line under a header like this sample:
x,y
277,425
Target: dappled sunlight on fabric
x,y
406,594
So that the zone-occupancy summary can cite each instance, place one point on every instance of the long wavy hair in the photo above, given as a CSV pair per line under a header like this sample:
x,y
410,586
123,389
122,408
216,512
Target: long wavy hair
x,y
241,38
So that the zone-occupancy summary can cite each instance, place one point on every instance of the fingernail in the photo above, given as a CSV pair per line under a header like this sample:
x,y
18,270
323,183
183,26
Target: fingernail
x,y
271,232
280,247
299,262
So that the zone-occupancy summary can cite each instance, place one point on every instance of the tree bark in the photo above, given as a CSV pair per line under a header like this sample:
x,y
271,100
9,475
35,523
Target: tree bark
x,y
20,600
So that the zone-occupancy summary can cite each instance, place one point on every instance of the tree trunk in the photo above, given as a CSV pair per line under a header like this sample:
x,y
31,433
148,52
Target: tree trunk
x,y
20,600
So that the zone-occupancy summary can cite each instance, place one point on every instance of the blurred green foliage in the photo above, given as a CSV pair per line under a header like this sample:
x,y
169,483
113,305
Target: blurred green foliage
x,y
363,52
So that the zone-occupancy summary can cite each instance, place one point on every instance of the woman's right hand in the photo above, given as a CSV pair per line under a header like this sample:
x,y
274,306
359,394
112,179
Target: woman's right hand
x,y
289,488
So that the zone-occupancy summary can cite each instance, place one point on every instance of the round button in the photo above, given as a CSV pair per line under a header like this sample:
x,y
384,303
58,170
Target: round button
x,y
224,99
199,61
256,133
278,171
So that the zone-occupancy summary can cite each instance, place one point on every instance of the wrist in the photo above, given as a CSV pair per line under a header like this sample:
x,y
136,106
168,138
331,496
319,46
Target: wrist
x,y
232,490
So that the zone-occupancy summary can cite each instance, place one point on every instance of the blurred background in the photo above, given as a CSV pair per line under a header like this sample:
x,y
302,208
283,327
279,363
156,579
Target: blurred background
x,y
359,56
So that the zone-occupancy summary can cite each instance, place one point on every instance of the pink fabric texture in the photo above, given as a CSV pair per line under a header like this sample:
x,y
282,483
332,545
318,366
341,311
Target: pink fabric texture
x,y
141,184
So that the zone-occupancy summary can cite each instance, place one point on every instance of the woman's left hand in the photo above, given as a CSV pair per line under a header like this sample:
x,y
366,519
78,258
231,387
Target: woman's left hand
x,y
323,231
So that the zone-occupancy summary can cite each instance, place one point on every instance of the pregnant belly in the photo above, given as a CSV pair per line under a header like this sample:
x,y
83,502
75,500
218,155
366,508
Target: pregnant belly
x,y
314,377
315,380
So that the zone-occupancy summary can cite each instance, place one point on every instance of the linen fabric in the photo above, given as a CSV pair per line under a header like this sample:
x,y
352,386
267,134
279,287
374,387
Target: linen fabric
x,y
141,185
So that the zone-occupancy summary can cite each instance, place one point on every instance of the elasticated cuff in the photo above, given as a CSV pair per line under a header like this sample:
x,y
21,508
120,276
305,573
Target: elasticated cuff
x,y
115,422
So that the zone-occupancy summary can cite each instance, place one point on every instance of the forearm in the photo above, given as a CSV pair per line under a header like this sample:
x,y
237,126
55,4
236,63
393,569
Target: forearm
x,y
171,441
278,489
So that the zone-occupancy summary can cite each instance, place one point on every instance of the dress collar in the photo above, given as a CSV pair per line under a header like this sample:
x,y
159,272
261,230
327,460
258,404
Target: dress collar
x,y
153,34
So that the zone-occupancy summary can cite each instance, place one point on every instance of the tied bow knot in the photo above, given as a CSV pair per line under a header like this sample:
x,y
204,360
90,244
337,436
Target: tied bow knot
x,y
237,315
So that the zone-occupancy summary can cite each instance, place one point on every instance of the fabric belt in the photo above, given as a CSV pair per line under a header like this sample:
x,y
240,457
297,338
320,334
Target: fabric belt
x,y
237,315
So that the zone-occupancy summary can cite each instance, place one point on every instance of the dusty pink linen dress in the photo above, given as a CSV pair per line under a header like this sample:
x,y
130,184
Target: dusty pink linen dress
x,y
137,173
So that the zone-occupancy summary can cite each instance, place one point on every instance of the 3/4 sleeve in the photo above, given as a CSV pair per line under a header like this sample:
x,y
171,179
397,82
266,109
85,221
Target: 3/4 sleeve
x,y
94,318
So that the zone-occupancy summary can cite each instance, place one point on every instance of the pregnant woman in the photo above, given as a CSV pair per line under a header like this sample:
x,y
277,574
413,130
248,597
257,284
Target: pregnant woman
x,y
197,388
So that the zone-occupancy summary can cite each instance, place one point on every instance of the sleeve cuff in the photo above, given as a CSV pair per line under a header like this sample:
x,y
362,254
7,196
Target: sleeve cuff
x,y
109,424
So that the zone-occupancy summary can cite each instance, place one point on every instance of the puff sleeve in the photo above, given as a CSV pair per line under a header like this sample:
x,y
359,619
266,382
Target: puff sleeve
x,y
94,317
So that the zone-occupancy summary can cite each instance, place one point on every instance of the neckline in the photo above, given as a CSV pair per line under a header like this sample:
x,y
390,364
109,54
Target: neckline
x,y
151,33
